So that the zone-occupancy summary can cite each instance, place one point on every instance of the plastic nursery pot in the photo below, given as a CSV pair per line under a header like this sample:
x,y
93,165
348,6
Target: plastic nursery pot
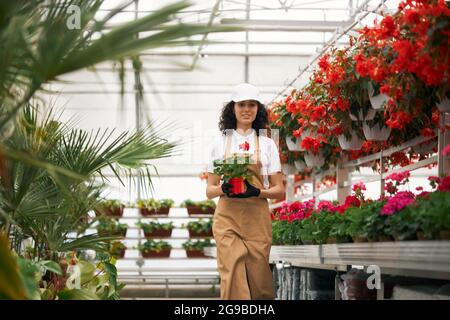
x,y
193,234
110,212
237,185
295,144
195,253
313,160
158,233
360,117
152,212
444,105
156,254
376,133
377,101
355,143
194,210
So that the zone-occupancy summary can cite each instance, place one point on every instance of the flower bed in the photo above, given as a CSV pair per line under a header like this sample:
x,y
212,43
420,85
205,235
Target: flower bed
x,y
401,215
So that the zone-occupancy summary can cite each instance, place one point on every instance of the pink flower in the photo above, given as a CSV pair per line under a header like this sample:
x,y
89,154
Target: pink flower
x,y
326,205
419,189
446,150
400,177
359,186
397,202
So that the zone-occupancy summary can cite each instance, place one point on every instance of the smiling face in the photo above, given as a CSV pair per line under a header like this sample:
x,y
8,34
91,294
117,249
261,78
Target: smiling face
x,y
245,112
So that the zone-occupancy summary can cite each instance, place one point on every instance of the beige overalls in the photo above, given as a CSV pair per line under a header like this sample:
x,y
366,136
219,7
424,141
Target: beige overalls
x,y
243,232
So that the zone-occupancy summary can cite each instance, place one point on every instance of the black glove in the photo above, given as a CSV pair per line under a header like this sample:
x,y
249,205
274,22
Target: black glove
x,y
226,188
251,191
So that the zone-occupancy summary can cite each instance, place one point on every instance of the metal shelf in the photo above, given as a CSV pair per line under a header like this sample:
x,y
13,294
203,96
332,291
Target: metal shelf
x,y
427,259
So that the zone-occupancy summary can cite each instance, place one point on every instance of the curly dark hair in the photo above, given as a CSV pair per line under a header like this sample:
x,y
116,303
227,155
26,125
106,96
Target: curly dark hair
x,y
228,118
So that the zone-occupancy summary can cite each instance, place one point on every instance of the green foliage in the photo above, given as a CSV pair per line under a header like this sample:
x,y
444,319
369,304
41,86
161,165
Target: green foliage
x,y
153,225
110,226
284,233
153,245
366,221
205,204
198,244
233,167
154,204
200,225
110,204
432,214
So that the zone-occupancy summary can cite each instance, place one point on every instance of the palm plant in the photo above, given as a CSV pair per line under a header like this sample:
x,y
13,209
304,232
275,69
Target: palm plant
x,y
37,46
50,203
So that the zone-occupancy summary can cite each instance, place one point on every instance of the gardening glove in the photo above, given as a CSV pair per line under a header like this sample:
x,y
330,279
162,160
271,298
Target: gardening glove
x,y
226,188
251,191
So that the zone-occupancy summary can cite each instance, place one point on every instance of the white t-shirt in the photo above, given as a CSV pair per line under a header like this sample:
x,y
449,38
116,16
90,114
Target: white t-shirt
x,y
269,155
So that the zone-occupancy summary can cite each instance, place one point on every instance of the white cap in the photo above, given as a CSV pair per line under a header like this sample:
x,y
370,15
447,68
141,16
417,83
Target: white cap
x,y
244,91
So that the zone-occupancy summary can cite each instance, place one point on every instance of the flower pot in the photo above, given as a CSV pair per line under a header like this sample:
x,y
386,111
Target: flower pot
x,y
237,185
288,169
444,105
195,253
300,165
193,234
156,254
358,239
153,212
354,143
159,233
384,238
377,101
194,210
425,148
360,117
375,133
121,233
293,145
444,234
110,212
421,235
313,160
119,254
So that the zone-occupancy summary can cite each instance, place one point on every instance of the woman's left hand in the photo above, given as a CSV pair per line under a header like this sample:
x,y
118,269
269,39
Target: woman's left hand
x,y
251,191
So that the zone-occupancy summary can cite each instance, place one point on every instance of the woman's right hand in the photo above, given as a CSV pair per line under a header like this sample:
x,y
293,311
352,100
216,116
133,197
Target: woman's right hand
x,y
226,188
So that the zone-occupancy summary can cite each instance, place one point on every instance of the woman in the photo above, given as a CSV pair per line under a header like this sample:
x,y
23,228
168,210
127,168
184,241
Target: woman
x,y
242,226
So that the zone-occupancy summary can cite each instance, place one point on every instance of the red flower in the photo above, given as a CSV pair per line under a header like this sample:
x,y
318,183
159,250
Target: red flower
x,y
244,146
427,132
444,185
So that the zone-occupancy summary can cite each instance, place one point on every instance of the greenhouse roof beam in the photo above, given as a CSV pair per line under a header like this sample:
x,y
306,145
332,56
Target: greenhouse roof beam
x,y
286,25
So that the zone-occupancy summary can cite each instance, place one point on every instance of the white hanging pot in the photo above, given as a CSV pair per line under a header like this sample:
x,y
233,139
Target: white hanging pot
x,y
444,105
288,169
293,145
313,160
369,116
300,165
355,143
377,101
425,148
375,133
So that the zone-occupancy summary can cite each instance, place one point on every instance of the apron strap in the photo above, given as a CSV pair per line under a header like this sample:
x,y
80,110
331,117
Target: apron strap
x,y
228,145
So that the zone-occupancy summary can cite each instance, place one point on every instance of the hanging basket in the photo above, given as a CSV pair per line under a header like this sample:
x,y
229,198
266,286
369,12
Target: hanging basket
x,y
360,117
313,160
300,165
444,105
355,143
425,148
293,145
375,133
377,101
288,169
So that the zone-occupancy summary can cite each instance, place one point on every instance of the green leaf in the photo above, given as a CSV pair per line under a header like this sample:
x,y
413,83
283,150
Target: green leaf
x,y
77,294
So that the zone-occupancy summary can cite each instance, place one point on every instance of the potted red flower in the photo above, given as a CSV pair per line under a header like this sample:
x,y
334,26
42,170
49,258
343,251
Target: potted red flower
x,y
234,170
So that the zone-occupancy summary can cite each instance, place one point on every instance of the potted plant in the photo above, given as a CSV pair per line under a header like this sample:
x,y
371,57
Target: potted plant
x,y
194,248
107,226
154,229
109,208
234,170
117,249
432,215
148,207
199,207
200,228
155,249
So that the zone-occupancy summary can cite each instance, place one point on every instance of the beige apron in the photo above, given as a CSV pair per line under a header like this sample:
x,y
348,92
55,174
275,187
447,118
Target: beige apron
x,y
243,232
